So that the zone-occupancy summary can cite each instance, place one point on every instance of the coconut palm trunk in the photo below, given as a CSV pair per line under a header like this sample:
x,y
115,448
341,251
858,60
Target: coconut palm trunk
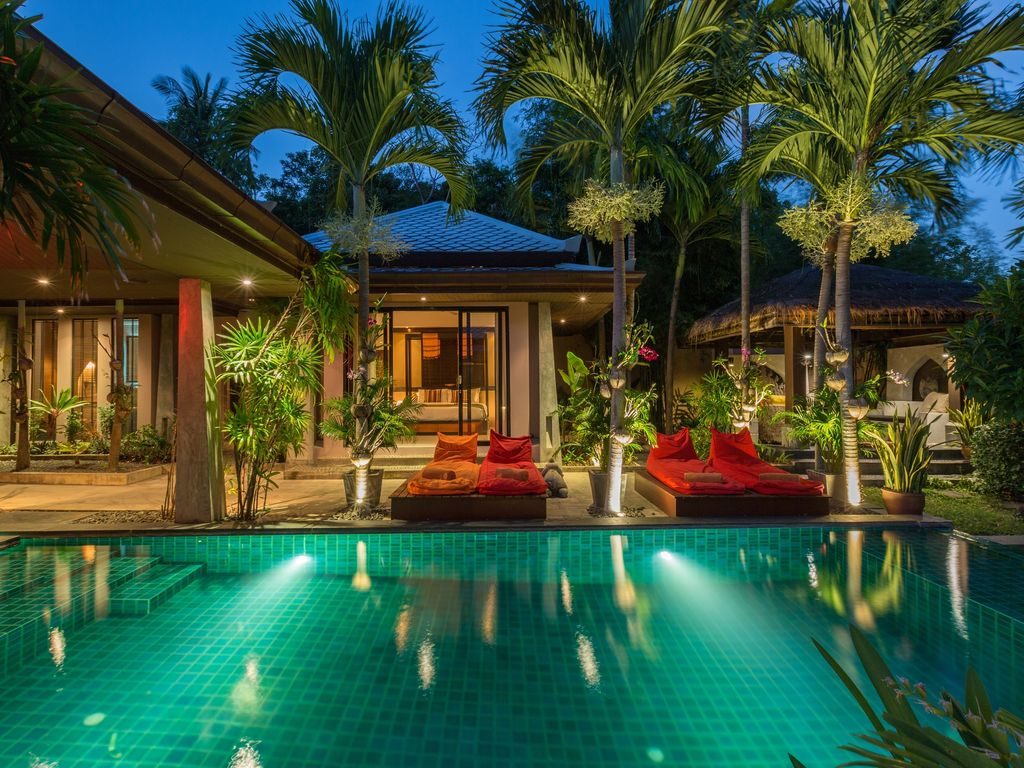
x,y
360,460
670,345
844,339
613,497
744,246
828,263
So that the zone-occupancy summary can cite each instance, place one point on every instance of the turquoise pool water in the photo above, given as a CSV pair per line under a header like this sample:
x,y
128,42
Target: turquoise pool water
x,y
582,648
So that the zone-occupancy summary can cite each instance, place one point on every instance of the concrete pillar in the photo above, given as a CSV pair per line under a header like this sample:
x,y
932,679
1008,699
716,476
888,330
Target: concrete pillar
x,y
199,474
794,370
163,413
547,386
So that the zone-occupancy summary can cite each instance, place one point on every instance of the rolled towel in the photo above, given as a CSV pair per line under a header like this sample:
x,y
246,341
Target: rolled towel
x,y
703,477
511,473
437,473
779,477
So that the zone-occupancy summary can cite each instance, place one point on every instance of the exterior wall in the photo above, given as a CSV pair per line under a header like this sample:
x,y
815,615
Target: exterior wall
x,y
907,360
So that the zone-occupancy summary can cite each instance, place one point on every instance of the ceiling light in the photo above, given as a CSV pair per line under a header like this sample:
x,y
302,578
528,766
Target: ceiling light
x,y
562,321
43,281
60,310
246,281
583,298
423,298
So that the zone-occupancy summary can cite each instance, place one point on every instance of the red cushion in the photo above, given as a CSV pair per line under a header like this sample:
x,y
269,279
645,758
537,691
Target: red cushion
x,y
509,450
672,473
724,445
491,483
677,446
455,448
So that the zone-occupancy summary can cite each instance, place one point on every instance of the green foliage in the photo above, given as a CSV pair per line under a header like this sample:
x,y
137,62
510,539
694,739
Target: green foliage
x,y
106,417
145,446
54,185
721,395
362,89
48,410
199,115
271,373
984,736
818,421
74,427
997,453
988,349
600,206
388,422
903,452
585,413
363,233
966,420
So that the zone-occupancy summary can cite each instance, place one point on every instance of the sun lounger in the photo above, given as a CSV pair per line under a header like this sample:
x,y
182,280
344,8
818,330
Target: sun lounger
x,y
453,472
508,469
735,456
674,462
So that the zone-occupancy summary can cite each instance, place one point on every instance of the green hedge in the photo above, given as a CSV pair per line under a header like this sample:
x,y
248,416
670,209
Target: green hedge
x,y
997,453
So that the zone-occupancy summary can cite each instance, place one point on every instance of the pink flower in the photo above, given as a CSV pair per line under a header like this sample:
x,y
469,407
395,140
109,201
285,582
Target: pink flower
x,y
647,354
370,322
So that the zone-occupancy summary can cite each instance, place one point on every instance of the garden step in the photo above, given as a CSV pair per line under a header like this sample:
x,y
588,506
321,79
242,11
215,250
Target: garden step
x,y
143,594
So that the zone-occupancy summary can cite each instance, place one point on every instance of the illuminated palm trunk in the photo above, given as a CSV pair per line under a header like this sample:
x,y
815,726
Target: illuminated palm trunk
x,y
670,346
824,304
744,247
844,339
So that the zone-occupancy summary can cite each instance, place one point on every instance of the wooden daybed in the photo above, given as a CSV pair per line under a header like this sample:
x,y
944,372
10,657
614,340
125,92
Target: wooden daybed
x,y
466,507
677,504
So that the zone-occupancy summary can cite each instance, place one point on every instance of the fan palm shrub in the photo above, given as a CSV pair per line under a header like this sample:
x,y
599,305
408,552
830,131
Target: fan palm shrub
x,y
900,92
609,73
49,410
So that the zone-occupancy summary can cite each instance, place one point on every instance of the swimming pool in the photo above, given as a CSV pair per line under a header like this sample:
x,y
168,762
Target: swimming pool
x,y
676,647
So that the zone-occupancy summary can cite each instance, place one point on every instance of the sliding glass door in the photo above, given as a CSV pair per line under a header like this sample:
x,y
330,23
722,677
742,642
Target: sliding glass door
x,y
454,363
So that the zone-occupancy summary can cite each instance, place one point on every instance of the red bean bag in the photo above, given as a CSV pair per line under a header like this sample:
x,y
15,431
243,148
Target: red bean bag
x,y
674,458
453,472
508,469
736,458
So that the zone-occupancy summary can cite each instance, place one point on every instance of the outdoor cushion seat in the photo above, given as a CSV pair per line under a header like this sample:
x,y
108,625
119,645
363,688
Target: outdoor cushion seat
x,y
736,458
508,468
453,472
674,463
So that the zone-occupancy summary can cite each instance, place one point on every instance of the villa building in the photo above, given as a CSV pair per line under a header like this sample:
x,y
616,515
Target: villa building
x,y
477,309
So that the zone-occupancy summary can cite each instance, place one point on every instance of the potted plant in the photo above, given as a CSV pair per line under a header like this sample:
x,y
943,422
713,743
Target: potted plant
x,y
905,457
818,421
585,413
966,421
367,420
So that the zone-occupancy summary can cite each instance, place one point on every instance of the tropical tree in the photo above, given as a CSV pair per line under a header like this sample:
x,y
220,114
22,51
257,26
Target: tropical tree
x,y
609,73
364,91
57,192
691,219
199,114
900,92
50,409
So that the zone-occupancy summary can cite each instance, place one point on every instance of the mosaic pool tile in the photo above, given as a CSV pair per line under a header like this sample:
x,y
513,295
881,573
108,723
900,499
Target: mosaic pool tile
x,y
580,648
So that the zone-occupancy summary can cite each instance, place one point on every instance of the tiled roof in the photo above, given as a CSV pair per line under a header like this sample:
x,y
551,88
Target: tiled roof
x,y
428,229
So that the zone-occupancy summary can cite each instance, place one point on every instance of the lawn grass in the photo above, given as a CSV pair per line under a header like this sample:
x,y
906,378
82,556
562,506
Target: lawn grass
x,y
970,513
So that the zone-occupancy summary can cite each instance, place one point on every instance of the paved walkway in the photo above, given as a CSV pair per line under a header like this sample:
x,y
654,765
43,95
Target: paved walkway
x,y
312,504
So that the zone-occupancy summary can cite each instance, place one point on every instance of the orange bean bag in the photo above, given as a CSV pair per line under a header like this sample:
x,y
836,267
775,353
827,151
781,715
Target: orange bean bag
x,y
736,458
508,469
453,472
673,461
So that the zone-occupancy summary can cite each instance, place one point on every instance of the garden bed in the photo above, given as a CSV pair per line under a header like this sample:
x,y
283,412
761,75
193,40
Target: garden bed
x,y
65,470
969,511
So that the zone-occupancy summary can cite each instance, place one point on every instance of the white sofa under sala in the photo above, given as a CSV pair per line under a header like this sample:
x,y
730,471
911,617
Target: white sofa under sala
x,y
934,409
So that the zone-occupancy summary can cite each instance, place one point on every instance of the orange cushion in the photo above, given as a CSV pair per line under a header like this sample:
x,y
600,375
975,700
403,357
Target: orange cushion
x,y
677,446
455,448
722,442
509,450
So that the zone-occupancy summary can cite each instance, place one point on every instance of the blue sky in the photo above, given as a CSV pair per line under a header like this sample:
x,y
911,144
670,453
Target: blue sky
x,y
128,42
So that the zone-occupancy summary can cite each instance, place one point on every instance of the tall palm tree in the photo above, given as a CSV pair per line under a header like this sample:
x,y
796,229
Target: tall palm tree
x,y
739,51
58,194
899,91
199,115
610,73
366,93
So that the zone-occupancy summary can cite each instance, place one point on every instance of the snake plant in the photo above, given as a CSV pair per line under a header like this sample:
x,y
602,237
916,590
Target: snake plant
x,y
903,452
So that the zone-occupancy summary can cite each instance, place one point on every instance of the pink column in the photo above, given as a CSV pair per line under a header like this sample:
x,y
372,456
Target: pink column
x,y
199,474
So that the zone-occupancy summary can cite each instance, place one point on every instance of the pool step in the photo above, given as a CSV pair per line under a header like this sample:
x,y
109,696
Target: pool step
x,y
57,597
149,590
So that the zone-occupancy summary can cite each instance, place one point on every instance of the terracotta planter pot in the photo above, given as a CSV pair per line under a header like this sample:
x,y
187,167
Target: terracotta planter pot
x,y
373,486
965,451
897,503
599,484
